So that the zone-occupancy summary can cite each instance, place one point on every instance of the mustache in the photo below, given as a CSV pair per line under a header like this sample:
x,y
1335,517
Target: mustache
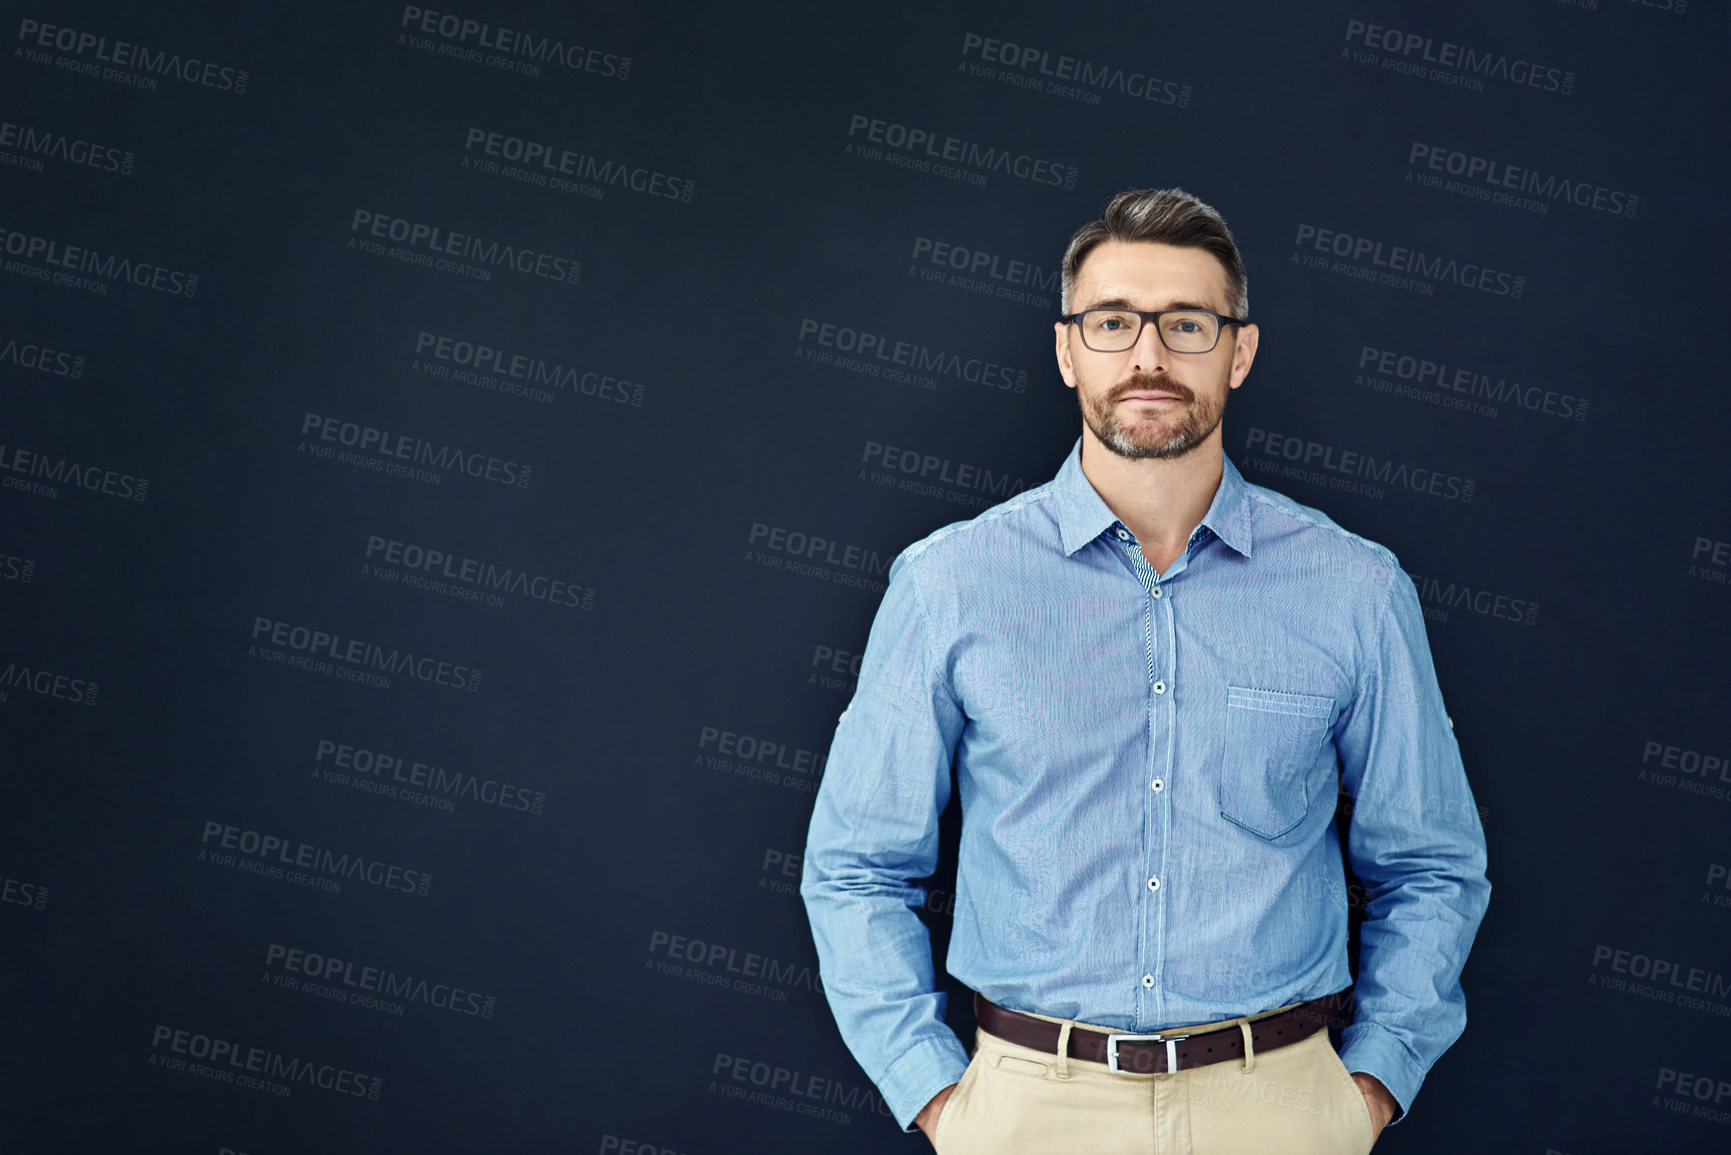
x,y
1150,383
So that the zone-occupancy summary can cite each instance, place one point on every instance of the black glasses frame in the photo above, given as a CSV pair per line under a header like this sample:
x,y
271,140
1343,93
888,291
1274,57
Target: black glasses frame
x,y
1076,319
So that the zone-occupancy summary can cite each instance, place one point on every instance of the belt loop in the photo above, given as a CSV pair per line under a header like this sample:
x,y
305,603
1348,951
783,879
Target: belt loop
x,y
1064,1049
1249,1049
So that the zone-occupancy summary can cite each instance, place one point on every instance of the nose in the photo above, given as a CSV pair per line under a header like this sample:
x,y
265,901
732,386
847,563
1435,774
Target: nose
x,y
1149,354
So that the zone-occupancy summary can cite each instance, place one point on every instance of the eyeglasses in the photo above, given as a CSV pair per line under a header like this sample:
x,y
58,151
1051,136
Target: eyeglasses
x,y
1180,330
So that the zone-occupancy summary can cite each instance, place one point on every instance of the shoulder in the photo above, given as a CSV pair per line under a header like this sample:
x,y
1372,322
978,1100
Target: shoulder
x,y
1028,519
1293,535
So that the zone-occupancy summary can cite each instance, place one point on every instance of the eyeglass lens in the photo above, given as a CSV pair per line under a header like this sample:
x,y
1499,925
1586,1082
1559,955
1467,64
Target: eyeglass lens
x,y
1113,331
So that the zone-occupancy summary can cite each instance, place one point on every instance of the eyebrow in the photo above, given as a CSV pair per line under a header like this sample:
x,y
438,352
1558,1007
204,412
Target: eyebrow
x,y
1123,303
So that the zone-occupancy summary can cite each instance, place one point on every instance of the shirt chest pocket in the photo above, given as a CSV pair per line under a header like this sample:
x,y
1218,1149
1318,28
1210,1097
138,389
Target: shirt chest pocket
x,y
1273,739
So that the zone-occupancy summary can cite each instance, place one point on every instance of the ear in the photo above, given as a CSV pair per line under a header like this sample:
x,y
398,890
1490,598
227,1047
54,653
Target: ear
x,y
1243,353
1062,333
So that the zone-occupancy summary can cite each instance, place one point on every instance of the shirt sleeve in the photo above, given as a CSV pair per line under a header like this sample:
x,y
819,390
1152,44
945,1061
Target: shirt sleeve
x,y
874,829
1416,843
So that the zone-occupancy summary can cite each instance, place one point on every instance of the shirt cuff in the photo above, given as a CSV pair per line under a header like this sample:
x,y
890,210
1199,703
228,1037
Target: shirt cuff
x,y
1368,1049
915,1079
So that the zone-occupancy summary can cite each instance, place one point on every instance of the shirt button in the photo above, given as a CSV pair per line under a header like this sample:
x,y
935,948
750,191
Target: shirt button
x,y
1148,980
1123,535
1159,687
1153,884
1157,785
1156,591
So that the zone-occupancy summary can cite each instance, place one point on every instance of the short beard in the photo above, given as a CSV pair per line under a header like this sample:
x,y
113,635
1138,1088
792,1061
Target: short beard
x,y
1191,430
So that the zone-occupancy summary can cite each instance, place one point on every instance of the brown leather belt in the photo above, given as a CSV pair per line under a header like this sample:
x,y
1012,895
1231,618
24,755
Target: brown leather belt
x,y
1158,1053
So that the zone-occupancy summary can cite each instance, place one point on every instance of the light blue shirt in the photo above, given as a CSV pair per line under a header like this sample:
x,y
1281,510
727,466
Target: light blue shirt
x,y
1149,766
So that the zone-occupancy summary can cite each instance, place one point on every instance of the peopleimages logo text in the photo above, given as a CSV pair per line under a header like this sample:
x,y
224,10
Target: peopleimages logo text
x,y
783,1087
1419,50
1437,597
47,683
465,35
547,161
122,54
277,851
379,981
319,644
1070,69
924,471
1411,262
531,370
934,147
439,564
56,471
1355,465
981,263
231,1062
1442,377
41,358
40,143
401,447
1500,181
361,762
105,267
911,355
418,235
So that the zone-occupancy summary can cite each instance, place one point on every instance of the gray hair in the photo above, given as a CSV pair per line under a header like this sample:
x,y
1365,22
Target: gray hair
x,y
1170,216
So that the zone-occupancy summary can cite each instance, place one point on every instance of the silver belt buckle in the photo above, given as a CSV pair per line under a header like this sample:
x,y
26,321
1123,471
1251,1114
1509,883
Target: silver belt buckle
x,y
1171,1042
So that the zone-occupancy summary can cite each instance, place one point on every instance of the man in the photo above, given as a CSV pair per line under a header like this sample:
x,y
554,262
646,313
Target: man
x,y
1152,679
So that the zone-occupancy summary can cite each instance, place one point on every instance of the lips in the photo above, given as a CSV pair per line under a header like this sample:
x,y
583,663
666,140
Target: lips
x,y
1151,395
1146,389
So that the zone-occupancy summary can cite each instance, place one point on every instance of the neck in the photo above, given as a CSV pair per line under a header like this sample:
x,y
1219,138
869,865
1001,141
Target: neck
x,y
1161,500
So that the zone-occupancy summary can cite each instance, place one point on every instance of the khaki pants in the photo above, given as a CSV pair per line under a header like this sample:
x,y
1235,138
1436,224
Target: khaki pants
x,y
1297,1100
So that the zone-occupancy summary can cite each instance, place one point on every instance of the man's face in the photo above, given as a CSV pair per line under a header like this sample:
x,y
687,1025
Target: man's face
x,y
1147,401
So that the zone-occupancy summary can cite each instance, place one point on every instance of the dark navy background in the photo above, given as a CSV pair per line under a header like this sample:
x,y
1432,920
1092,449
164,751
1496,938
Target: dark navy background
x,y
1593,728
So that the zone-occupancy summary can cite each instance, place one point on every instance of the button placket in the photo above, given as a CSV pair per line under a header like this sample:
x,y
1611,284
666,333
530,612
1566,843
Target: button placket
x,y
1161,667
1157,638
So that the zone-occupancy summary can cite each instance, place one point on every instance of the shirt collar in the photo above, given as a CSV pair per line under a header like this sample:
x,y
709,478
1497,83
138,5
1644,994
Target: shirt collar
x,y
1084,516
